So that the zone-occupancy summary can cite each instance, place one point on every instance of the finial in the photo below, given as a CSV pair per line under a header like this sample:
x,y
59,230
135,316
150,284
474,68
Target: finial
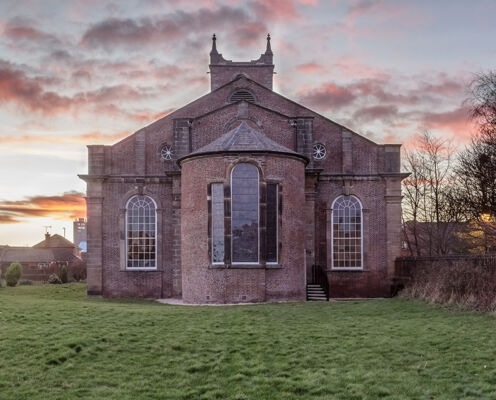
x,y
268,50
214,46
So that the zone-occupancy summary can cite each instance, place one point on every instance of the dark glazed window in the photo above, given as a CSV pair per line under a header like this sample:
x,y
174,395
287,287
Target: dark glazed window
x,y
272,219
141,231
217,223
347,233
244,205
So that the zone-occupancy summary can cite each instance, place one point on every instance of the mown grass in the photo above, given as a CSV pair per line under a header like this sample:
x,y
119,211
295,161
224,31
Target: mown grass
x,y
56,344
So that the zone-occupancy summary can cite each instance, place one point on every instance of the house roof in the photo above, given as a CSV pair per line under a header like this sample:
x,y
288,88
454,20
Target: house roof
x,y
243,138
10,254
26,254
54,241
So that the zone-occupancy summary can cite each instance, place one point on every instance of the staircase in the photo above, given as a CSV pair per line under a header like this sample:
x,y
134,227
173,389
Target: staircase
x,y
315,293
318,286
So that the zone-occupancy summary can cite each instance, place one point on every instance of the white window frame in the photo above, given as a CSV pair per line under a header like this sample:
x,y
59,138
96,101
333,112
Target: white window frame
x,y
258,222
156,234
332,237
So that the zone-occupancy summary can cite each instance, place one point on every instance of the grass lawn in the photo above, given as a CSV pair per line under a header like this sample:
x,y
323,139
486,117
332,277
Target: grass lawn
x,y
56,344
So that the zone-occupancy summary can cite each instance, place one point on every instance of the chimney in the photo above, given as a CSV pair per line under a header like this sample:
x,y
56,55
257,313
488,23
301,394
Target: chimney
x,y
47,238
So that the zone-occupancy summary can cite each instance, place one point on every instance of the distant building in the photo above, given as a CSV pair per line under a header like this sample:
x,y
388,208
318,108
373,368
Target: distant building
x,y
79,227
43,257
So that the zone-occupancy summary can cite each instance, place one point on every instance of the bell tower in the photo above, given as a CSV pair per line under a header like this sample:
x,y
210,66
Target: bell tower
x,y
224,71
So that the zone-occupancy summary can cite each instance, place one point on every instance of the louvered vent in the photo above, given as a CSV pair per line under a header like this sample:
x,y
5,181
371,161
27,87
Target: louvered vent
x,y
242,94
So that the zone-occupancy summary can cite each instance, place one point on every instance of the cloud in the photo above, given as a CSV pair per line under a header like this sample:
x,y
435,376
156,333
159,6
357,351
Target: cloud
x,y
91,137
29,94
352,68
22,32
456,121
327,96
8,219
386,113
172,29
275,9
16,86
310,68
68,206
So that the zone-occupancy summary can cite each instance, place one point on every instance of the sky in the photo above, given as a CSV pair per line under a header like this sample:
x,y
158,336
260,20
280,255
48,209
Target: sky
x,y
81,72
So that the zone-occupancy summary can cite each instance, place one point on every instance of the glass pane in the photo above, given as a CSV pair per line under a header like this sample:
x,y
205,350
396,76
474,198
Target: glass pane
x,y
272,218
347,233
141,232
244,221
217,222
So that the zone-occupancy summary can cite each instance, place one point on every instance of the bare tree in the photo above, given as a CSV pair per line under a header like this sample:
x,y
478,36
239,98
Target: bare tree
x,y
429,217
476,169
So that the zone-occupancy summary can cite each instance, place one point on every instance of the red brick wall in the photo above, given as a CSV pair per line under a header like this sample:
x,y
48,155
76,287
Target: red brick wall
x,y
134,162
203,284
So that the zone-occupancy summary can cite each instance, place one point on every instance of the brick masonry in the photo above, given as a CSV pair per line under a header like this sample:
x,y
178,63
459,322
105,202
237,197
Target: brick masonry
x,y
353,165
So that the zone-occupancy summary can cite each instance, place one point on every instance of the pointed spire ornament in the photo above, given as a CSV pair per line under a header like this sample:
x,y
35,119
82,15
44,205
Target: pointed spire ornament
x,y
268,50
214,45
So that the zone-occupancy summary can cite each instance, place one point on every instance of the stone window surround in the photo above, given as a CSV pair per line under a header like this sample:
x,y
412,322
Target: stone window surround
x,y
140,191
329,237
127,234
262,264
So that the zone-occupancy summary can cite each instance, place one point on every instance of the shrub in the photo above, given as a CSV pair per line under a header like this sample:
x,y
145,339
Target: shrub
x,y
54,279
78,271
63,274
467,285
13,274
25,282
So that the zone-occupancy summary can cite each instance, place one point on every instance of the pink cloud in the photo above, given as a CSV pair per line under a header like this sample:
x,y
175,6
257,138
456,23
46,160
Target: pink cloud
x,y
17,87
327,96
174,28
20,30
350,67
311,67
386,113
456,121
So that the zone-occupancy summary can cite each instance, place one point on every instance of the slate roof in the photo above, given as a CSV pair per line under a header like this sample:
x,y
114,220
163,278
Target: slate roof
x,y
55,241
53,248
30,254
26,254
243,139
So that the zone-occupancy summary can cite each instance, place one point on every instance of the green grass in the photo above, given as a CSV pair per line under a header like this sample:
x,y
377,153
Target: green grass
x,y
56,344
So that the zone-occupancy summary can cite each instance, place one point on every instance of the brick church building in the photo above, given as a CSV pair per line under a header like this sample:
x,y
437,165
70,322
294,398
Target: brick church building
x,y
243,196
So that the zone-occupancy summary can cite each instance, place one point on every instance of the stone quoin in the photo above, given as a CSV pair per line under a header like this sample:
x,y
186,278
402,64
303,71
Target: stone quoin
x,y
235,196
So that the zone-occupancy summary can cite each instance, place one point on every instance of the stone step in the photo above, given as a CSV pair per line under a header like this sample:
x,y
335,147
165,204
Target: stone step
x,y
317,298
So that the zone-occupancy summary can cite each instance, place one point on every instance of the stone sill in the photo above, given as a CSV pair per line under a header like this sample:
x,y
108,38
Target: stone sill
x,y
347,270
245,266
141,270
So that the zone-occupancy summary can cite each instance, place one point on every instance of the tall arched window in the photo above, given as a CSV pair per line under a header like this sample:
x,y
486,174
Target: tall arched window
x,y
347,240
141,233
244,214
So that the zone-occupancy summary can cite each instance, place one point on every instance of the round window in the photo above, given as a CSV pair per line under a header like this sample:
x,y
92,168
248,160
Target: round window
x,y
166,152
319,151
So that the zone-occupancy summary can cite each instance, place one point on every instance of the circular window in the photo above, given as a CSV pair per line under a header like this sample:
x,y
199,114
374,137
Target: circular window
x,y
166,152
319,151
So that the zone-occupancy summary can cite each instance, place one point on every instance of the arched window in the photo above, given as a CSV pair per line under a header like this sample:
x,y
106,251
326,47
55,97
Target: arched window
x,y
244,214
347,239
141,233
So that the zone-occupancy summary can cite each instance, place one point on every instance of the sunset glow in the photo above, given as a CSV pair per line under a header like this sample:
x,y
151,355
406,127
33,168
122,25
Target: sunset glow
x,y
83,72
